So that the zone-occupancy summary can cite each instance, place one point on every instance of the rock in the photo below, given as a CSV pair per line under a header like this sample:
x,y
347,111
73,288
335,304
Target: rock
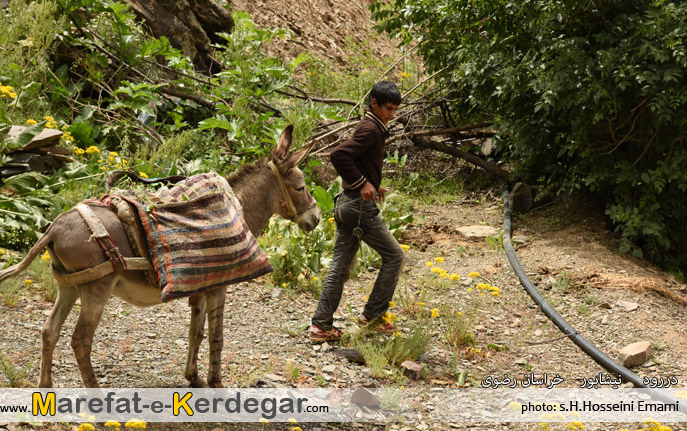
x,y
520,240
538,333
274,377
329,369
365,398
636,353
46,138
412,369
477,232
276,293
605,306
352,355
628,306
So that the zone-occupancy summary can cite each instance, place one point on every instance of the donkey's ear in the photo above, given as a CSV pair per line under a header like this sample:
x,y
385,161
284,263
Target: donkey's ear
x,y
284,144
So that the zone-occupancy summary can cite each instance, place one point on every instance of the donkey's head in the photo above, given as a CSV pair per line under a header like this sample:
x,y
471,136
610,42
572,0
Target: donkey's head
x,y
297,204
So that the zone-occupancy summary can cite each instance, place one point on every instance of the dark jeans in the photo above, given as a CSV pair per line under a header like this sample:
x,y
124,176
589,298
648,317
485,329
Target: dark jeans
x,y
348,215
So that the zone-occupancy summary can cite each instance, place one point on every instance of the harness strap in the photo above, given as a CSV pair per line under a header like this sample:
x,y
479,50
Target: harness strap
x,y
284,191
100,234
98,271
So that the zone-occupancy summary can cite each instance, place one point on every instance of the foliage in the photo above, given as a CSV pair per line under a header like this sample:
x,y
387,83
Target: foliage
x,y
16,377
393,350
586,96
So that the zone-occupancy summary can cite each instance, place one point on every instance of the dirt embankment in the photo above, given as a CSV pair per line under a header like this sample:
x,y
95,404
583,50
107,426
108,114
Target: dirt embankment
x,y
331,29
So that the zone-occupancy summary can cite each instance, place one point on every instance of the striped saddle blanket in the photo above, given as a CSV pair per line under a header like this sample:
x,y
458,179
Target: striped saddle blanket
x,y
197,238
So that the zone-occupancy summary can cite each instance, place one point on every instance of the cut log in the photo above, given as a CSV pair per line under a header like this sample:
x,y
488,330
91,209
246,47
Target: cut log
x,y
190,25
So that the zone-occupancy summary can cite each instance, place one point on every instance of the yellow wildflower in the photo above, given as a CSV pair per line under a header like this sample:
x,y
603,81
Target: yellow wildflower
x,y
292,421
495,294
113,153
514,405
296,429
443,274
86,427
429,264
284,285
437,270
680,394
460,313
265,421
135,423
397,334
543,425
454,277
79,151
111,158
388,317
391,304
421,304
49,118
315,278
142,175
93,150
28,282
470,289
439,259
112,424
405,247
330,219
31,121
45,256
435,312
2,251
64,128
473,274
125,162
91,418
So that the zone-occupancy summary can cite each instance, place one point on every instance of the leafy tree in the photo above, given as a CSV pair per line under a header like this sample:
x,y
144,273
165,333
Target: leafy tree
x,y
587,96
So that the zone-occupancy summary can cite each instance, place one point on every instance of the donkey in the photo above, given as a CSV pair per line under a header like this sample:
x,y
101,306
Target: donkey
x,y
256,186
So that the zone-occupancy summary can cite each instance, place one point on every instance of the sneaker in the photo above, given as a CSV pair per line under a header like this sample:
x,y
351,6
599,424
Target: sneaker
x,y
377,325
317,334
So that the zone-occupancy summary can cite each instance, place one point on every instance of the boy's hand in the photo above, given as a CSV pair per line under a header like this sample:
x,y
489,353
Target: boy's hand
x,y
368,192
381,194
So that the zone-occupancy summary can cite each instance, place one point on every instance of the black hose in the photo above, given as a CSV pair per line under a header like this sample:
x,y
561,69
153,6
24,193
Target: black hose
x,y
590,349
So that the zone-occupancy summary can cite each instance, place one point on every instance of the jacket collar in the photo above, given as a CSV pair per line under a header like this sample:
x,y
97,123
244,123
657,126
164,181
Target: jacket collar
x,y
382,128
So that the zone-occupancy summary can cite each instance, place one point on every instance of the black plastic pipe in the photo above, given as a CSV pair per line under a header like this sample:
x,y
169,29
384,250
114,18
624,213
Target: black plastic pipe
x,y
590,349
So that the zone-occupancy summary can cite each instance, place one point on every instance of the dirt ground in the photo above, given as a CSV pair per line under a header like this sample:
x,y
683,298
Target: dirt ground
x,y
566,250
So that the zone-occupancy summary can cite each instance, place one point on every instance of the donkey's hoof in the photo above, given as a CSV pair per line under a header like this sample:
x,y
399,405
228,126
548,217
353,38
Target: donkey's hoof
x,y
215,384
198,383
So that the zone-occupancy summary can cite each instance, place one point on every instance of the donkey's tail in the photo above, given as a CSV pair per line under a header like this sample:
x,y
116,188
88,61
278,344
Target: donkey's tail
x,y
30,256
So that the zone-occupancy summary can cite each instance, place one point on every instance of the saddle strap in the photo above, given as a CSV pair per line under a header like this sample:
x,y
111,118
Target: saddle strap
x,y
98,271
102,236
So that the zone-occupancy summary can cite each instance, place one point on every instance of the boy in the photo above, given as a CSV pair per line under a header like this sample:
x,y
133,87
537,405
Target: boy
x,y
359,163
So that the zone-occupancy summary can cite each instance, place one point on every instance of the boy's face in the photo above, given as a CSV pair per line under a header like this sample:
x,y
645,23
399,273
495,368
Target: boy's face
x,y
384,112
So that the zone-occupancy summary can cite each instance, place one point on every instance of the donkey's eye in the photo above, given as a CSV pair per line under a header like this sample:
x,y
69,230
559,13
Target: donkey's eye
x,y
300,189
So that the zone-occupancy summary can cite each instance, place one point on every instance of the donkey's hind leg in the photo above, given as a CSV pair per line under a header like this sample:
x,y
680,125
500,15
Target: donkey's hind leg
x,y
66,296
215,307
195,336
94,296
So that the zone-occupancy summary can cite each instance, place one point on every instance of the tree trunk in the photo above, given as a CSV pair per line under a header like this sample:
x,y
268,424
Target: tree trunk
x,y
190,25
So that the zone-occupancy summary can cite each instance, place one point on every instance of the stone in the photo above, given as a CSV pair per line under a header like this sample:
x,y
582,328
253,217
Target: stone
x,y
274,377
538,333
276,293
520,240
628,306
329,369
605,306
487,147
352,355
363,397
413,370
477,232
636,353
46,138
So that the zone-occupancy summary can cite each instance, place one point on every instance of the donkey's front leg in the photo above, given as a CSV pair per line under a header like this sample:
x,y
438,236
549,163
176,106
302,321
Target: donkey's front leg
x,y
215,306
195,336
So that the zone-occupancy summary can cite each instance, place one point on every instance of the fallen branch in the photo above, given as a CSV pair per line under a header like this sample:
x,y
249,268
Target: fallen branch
x,y
419,140
450,131
305,96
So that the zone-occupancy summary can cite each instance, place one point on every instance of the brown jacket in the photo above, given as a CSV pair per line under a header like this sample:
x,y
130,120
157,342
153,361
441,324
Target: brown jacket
x,y
359,159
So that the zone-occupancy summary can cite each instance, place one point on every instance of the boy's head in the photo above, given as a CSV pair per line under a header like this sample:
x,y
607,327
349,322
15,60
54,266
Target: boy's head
x,y
384,99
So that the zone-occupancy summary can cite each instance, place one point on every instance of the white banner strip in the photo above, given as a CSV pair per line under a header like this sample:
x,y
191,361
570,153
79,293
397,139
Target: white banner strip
x,y
340,405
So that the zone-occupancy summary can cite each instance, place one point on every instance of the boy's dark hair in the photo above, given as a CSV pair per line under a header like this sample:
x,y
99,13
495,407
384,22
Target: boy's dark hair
x,y
383,92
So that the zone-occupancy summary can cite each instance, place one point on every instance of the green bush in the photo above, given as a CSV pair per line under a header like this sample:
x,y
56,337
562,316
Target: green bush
x,y
587,96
